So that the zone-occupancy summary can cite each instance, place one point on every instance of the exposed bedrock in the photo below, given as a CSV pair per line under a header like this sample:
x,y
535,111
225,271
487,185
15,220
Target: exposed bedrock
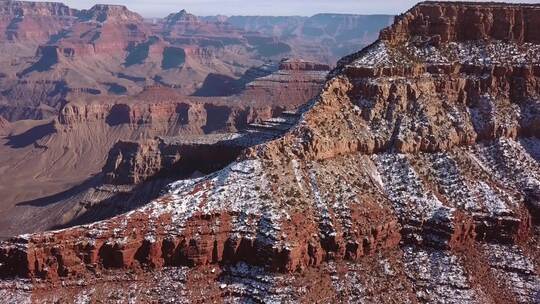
x,y
199,117
216,243
430,172
135,162
441,23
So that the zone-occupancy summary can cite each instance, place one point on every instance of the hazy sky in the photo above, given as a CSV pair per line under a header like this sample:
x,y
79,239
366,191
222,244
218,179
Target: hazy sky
x,y
158,8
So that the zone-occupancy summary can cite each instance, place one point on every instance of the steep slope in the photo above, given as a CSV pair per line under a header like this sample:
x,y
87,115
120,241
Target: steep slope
x,y
23,27
413,177
22,21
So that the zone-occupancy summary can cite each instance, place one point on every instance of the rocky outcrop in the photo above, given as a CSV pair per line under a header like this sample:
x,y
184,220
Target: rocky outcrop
x,y
302,65
289,83
132,114
106,13
105,30
437,23
33,21
188,31
293,84
181,17
190,114
25,8
133,162
4,125
404,179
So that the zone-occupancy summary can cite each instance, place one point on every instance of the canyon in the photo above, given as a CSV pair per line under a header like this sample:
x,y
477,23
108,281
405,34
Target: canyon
x,y
55,54
411,177
75,83
52,169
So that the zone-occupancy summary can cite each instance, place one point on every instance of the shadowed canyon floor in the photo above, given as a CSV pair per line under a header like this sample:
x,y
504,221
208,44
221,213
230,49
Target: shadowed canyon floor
x,y
413,177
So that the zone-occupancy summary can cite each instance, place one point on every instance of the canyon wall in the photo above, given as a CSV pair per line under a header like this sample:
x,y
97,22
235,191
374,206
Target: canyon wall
x,y
453,23
136,162
413,175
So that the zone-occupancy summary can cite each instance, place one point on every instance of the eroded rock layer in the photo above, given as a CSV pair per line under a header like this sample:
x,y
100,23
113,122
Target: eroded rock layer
x,y
133,162
413,177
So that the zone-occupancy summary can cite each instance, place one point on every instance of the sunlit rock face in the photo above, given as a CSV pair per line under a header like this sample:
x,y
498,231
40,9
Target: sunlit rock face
x,y
413,175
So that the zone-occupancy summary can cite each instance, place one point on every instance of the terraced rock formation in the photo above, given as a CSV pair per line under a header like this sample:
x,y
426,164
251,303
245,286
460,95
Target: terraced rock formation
x,y
54,54
133,162
413,177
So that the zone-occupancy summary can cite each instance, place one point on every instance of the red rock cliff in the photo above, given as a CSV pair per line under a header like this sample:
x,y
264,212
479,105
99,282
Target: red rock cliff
x,y
443,22
416,162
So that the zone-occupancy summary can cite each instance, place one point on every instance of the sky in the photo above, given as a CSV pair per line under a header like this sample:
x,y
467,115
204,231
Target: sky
x,y
160,8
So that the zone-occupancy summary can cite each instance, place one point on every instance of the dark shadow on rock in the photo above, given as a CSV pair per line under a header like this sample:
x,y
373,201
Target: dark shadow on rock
x,y
218,85
115,88
55,38
173,57
119,114
55,198
48,58
222,85
131,78
31,136
269,47
60,89
217,117
182,111
119,203
531,146
138,53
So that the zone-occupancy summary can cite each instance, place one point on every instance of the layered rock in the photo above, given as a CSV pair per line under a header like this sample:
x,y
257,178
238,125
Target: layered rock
x,y
105,13
410,177
157,109
438,23
291,85
33,21
133,162
183,19
62,53
4,125
302,65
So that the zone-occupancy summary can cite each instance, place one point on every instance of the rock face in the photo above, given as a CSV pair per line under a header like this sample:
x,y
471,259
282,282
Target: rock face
x,y
4,124
302,65
160,109
414,176
102,30
33,21
184,156
135,162
294,82
443,23
104,13
54,54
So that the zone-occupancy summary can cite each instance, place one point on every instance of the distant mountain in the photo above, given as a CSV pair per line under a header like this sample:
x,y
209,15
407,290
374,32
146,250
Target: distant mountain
x,y
53,54
323,37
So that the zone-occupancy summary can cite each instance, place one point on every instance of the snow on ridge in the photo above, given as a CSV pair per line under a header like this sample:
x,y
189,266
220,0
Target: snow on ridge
x,y
240,188
470,52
